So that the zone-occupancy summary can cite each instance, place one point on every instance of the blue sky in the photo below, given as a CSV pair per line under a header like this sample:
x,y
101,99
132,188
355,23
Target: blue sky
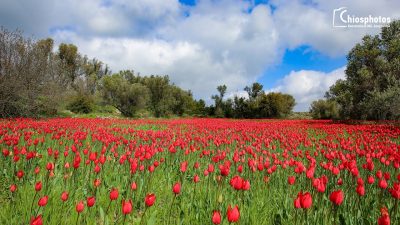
x,y
289,46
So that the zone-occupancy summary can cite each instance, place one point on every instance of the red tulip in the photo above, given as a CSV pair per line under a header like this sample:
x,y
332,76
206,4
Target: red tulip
x,y
114,194
224,169
196,178
37,170
36,220
79,207
126,207
236,182
383,184
395,191
96,182
184,166
64,196
246,185
13,188
50,166
216,217
384,219
176,188
43,201
233,215
305,200
360,190
150,199
6,152
297,203
133,186
371,180
38,186
337,197
90,201
20,174
291,180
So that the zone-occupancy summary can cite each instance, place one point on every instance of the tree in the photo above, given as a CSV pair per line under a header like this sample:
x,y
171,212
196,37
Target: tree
x,y
219,102
254,91
69,56
160,94
275,105
324,109
372,84
126,97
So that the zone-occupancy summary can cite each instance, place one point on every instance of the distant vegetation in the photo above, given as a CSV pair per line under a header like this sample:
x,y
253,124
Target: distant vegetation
x,y
36,81
371,89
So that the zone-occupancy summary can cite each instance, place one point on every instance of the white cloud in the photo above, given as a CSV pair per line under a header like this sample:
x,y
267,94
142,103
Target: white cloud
x,y
300,23
308,85
199,52
215,42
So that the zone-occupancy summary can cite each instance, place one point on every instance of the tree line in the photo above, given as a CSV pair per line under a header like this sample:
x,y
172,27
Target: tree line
x,y
36,81
257,104
371,88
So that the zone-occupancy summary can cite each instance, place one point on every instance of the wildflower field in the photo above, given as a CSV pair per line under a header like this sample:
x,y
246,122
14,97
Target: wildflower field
x,y
198,171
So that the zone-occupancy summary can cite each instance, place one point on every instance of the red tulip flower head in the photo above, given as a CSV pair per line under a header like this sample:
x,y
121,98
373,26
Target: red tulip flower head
x,y
126,207
133,186
176,188
38,186
36,220
360,190
305,200
90,201
383,184
79,207
150,199
196,178
233,214
395,191
114,194
384,219
337,197
20,174
43,201
64,196
13,188
216,217
291,180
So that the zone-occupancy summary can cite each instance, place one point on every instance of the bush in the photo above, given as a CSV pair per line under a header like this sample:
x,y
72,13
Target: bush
x,y
324,109
81,104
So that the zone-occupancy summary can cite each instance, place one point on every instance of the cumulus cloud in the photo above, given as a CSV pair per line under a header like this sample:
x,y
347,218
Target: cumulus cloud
x,y
308,85
302,23
198,52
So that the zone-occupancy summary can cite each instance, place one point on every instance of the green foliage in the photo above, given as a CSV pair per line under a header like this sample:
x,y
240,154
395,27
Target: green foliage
x,y
324,109
257,105
372,84
126,97
275,105
81,104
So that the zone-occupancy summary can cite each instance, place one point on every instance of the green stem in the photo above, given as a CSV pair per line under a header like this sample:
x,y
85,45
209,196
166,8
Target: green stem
x,y
170,209
142,219
77,218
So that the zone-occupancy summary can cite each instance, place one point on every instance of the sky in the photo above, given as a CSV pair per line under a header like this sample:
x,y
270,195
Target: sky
x,y
289,46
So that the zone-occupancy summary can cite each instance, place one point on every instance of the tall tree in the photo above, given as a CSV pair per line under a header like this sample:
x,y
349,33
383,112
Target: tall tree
x,y
371,89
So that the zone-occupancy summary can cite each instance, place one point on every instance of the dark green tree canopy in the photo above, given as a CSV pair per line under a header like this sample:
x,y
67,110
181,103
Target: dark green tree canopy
x,y
371,89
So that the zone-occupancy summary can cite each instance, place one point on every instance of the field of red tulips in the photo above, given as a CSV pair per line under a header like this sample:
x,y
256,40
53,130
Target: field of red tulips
x,y
198,171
